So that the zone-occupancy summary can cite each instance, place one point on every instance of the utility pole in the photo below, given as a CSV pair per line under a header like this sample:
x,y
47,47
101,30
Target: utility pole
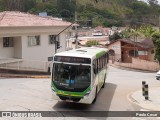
x,y
135,39
76,32
57,41
134,47
159,22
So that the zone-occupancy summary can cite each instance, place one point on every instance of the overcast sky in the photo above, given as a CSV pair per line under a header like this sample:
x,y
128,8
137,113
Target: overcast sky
x,y
147,0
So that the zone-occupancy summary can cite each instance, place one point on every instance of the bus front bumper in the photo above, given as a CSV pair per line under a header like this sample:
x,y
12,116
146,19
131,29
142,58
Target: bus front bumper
x,y
85,99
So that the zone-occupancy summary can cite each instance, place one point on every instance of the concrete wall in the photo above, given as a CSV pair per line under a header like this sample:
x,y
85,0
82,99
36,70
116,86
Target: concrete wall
x,y
140,64
26,65
6,52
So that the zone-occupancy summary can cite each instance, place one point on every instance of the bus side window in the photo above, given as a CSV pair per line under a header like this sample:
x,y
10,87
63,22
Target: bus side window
x,y
94,66
103,61
98,65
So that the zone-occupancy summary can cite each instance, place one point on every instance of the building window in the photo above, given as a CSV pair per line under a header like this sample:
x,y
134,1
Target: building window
x,y
152,51
52,39
33,40
8,42
111,52
133,53
50,58
142,53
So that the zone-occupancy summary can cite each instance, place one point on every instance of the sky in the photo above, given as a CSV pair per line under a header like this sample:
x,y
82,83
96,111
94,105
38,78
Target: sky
x,y
146,1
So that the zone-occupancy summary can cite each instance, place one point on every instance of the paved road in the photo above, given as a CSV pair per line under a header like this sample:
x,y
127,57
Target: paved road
x,y
35,94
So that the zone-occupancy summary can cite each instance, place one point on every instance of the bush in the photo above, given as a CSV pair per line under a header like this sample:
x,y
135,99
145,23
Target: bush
x,y
156,42
91,43
115,36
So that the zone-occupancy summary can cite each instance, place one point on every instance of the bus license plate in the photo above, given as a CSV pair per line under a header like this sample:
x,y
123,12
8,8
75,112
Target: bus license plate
x,y
69,100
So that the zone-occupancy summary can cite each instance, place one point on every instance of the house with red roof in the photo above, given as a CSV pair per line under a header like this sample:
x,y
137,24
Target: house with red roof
x,y
25,37
123,50
133,54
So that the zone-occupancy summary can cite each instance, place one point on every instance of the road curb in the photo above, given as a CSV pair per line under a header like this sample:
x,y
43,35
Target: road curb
x,y
145,105
39,76
23,76
132,100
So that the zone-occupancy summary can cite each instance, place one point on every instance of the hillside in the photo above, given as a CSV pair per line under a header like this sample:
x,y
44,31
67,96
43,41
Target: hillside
x,y
103,12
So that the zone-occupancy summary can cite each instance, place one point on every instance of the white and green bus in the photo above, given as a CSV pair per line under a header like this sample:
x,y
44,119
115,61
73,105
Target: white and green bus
x,y
79,74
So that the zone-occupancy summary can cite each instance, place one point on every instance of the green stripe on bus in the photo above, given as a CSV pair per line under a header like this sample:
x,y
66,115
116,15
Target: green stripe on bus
x,y
100,54
66,93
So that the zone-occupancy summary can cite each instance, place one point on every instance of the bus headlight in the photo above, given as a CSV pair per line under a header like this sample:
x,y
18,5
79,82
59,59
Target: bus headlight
x,y
87,93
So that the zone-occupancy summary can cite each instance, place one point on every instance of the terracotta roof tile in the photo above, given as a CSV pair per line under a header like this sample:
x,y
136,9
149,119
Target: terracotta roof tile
x,y
146,44
14,18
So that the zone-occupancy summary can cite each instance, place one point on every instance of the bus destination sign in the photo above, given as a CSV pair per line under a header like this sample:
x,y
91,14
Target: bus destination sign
x,y
72,59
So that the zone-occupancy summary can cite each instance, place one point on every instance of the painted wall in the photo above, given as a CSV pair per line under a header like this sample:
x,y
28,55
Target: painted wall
x,y
140,64
117,48
42,51
6,52
151,54
63,42
38,53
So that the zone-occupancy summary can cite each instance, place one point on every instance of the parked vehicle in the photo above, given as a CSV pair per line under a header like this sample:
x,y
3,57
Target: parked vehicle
x,y
97,33
158,75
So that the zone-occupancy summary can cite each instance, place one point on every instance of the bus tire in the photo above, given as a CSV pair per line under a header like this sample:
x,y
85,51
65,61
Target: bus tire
x,y
95,97
104,82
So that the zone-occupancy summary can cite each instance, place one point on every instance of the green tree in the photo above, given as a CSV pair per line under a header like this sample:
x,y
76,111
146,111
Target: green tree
x,y
29,4
135,34
102,12
66,8
146,30
153,2
156,42
126,34
115,36
91,43
14,5
1,5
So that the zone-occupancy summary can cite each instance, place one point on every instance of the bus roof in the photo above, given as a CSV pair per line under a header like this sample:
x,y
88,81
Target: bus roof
x,y
86,52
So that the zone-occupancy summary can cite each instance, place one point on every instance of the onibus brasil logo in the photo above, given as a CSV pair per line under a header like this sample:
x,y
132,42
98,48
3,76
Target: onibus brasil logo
x,y
21,114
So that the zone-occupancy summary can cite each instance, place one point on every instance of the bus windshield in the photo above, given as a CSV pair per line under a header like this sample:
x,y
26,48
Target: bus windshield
x,y
69,77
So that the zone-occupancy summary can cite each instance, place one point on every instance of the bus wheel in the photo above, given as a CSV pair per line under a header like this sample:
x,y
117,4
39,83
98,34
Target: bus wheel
x,y
104,82
95,97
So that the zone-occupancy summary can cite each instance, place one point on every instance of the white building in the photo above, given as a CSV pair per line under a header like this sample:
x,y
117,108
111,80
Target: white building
x,y
27,41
